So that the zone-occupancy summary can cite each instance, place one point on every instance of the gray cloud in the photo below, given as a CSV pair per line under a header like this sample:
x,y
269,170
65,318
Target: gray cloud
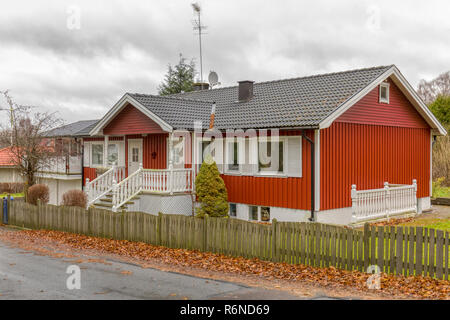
x,y
126,45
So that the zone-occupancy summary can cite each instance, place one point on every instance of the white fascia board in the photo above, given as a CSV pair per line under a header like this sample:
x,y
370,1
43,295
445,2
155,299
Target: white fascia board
x,y
344,107
119,106
404,86
417,102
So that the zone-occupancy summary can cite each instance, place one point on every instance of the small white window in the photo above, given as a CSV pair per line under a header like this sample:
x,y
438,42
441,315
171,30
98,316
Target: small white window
x,y
253,213
113,154
97,154
233,210
384,92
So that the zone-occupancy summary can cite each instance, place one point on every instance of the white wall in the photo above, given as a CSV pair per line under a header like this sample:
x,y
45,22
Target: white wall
x,y
57,187
10,175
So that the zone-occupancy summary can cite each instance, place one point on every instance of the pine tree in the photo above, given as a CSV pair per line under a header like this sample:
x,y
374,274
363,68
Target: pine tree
x,y
211,191
179,78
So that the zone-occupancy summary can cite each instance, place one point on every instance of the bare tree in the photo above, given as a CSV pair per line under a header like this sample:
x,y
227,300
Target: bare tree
x,y
430,90
25,134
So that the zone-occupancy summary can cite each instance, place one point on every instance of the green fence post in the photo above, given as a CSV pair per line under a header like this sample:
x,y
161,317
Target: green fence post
x,y
205,233
274,240
158,226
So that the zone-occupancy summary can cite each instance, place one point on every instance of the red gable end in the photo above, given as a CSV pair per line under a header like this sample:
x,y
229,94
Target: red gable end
x,y
398,113
131,121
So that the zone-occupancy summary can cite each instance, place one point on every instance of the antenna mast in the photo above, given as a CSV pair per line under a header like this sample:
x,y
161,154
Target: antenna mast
x,y
199,27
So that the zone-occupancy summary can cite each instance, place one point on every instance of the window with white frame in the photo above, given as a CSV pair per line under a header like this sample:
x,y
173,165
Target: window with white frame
x,y
253,213
178,152
256,213
271,155
281,156
113,154
233,210
232,151
97,154
384,92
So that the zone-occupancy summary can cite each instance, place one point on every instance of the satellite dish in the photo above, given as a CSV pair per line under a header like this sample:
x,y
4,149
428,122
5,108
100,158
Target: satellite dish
x,y
213,79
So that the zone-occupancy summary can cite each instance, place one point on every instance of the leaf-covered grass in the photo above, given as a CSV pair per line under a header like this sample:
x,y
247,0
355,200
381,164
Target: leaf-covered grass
x,y
15,195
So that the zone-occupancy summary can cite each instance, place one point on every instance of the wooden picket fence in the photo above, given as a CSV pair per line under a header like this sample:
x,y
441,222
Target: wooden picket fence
x,y
395,250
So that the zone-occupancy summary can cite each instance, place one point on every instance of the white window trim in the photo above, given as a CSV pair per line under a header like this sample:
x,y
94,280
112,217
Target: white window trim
x,y
183,143
117,144
259,213
105,153
92,144
384,85
283,174
229,141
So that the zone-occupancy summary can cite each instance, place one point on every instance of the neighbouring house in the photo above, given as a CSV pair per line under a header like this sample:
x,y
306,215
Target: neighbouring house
x,y
64,171
8,169
341,148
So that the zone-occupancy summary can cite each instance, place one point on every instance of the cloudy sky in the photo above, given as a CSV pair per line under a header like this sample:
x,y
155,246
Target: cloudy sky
x,y
80,57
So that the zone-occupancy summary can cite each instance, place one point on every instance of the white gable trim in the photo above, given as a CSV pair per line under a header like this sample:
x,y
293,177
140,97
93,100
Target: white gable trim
x,y
112,113
407,90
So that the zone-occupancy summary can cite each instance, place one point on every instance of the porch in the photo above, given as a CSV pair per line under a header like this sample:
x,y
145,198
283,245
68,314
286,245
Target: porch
x,y
117,189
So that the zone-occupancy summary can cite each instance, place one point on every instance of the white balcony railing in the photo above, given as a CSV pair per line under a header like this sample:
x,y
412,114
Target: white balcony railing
x,y
67,165
166,181
383,203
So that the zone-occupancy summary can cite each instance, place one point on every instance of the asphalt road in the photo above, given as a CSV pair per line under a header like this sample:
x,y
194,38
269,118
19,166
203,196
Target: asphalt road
x,y
26,275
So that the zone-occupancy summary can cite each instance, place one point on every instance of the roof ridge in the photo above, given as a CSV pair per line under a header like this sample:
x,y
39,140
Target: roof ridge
x,y
297,78
172,97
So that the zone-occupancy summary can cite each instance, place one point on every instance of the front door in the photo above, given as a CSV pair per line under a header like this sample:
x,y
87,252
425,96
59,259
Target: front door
x,y
134,155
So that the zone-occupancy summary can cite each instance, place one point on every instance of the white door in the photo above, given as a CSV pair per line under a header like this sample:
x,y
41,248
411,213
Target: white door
x,y
134,155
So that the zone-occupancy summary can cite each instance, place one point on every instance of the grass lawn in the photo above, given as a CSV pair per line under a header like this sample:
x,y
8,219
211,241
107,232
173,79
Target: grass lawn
x,y
442,192
15,195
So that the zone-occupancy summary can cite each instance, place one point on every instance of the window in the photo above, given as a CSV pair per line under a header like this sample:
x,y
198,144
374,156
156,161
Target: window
x,y
233,155
253,213
135,154
113,154
178,153
271,156
233,209
384,92
265,213
97,154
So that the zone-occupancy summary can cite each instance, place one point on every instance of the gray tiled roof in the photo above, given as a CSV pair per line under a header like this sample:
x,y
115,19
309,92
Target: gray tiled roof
x,y
76,129
177,112
301,102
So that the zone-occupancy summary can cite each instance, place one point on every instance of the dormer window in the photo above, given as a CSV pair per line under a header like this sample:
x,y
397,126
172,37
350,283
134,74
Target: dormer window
x,y
384,92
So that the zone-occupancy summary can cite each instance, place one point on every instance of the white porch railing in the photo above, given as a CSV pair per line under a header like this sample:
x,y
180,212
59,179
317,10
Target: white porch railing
x,y
383,203
151,180
103,184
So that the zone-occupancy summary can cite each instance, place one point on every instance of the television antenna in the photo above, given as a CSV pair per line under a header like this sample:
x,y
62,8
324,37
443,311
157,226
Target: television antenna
x,y
199,28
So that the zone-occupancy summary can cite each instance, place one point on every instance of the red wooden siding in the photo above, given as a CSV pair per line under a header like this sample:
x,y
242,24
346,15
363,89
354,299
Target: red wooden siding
x,y
270,191
155,143
89,173
398,113
131,121
369,155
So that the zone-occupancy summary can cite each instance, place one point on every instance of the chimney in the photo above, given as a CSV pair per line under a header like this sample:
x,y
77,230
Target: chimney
x,y
200,86
245,90
212,116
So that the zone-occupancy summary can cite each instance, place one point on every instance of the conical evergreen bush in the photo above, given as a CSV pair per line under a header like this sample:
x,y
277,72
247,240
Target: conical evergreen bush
x,y
211,191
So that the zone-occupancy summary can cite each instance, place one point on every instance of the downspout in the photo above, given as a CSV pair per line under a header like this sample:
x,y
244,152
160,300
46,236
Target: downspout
x,y
311,144
82,164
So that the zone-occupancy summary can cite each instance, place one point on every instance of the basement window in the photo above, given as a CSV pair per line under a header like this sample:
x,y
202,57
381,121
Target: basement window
x,y
384,92
233,210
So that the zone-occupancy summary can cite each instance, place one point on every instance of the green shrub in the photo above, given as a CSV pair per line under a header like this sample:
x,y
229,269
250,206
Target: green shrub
x,y
211,191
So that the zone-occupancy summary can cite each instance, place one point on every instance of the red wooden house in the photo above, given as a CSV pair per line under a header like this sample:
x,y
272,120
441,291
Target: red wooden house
x,y
342,147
